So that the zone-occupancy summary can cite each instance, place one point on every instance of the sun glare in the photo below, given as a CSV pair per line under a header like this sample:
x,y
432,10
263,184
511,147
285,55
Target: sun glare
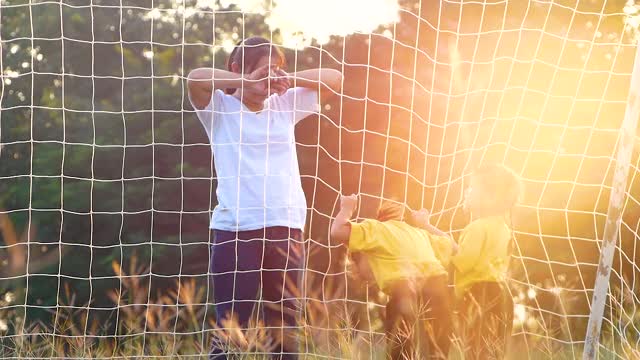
x,y
302,21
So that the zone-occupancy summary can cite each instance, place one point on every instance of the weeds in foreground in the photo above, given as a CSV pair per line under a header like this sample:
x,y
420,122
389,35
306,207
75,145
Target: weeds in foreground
x,y
178,324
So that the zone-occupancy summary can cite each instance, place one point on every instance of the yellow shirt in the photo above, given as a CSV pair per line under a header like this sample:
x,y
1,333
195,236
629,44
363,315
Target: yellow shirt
x,y
442,248
483,253
395,250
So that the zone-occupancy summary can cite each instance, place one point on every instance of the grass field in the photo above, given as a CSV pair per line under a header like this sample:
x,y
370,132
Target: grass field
x,y
164,330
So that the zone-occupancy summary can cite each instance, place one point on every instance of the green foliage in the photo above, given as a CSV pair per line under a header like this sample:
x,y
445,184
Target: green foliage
x,y
102,156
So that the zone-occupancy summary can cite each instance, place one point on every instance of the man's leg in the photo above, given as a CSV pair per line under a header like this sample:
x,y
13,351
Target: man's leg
x,y
235,277
281,291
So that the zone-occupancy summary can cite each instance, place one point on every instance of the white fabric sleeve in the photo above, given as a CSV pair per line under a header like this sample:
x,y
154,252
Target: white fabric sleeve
x,y
207,116
302,101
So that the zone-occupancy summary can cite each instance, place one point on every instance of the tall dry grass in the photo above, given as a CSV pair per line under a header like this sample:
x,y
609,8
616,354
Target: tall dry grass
x,y
178,323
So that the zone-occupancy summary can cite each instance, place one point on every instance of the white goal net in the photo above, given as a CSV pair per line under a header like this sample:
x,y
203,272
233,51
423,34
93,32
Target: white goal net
x,y
107,181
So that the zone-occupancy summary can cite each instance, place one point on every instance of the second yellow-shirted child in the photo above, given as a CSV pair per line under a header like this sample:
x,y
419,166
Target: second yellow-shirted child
x,y
481,264
484,253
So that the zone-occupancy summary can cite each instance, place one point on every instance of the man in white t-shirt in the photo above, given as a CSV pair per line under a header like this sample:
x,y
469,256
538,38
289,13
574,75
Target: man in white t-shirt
x,y
256,161
260,217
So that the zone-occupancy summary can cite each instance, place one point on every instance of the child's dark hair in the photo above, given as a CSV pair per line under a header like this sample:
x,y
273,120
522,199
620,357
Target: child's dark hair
x,y
249,51
390,210
502,183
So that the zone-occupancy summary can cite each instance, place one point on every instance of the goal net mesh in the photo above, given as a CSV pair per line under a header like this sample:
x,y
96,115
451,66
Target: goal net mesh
x,y
107,181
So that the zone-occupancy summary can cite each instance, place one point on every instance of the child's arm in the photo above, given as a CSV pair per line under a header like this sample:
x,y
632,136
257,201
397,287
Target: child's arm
x,y
203,81
330,80
341,228
421,219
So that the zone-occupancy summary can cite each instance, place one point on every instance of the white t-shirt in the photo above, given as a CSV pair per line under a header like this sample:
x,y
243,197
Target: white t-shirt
x,y
256,161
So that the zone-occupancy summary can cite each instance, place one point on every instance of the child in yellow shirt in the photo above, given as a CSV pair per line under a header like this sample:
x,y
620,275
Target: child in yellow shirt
x,y
402,261
481,263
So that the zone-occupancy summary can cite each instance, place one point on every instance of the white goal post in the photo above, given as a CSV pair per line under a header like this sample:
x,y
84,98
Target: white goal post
x,y
107,181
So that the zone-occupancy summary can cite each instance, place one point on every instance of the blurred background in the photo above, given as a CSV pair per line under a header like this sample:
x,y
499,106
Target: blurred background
x,y
106,175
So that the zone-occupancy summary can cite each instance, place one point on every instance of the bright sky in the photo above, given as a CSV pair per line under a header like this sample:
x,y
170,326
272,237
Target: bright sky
x,y
300,21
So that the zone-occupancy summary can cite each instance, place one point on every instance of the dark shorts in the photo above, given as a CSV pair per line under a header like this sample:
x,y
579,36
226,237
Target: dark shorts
x,y
486,316
256,277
